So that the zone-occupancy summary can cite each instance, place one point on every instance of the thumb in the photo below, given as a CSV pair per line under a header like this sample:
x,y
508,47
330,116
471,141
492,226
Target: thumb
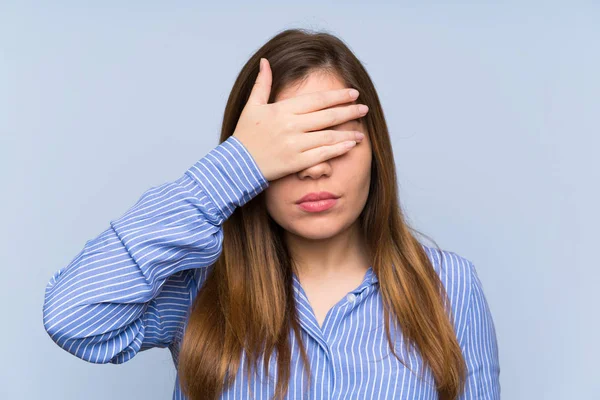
x,y
262,86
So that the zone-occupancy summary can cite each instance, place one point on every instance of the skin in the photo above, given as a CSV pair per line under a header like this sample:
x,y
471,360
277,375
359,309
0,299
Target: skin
x,y
328,247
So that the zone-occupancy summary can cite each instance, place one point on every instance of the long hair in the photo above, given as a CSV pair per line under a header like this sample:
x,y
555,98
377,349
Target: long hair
x,y
246,304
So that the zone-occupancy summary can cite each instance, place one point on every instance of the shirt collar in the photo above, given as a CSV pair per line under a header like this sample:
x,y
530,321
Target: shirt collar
x,y
370,276
369,280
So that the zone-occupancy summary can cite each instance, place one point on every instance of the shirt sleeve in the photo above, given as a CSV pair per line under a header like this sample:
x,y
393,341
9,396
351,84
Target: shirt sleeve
x,y
480,347
129,289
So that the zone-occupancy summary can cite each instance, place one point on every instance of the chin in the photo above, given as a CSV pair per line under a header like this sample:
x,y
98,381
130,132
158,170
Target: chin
x,y
313,235
316,230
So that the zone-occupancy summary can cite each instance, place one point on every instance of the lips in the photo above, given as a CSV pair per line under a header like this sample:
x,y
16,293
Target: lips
x,y
316,196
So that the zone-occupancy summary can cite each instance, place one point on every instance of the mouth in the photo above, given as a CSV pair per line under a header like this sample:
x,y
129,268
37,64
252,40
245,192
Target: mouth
x,y
318,206
317,196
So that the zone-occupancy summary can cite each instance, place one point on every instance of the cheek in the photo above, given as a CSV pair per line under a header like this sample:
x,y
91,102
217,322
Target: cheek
x,y
356,163
357,177
276,197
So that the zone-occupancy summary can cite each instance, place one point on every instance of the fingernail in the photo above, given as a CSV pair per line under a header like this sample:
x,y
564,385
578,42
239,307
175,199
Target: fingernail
x,y
360,135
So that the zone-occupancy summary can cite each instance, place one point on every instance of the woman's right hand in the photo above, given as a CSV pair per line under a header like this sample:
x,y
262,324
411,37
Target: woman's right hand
x,y
285,137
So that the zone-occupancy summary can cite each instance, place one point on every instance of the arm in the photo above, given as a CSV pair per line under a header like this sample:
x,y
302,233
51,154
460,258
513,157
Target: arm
x,y
481,347
129,288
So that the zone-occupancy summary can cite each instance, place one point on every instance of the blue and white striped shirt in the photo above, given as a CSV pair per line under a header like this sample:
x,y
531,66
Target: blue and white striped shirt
x,y
130,289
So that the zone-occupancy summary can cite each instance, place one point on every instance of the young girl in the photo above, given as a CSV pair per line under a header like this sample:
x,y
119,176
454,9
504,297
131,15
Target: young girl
x,y
280,264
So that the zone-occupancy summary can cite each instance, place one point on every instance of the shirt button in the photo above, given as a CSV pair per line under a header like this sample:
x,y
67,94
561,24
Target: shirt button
x,y
351,297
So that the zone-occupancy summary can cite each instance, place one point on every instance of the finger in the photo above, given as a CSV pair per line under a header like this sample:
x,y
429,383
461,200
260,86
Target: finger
x,y
323,119
311,140
309,102
323,153
262,86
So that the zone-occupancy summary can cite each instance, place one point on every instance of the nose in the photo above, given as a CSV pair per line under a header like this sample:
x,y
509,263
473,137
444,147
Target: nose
x,y
316,171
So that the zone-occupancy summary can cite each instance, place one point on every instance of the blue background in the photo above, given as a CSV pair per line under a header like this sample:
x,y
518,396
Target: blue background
x,y
493,112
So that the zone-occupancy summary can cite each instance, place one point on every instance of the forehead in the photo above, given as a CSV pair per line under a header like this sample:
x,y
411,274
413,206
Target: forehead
x,y
316,82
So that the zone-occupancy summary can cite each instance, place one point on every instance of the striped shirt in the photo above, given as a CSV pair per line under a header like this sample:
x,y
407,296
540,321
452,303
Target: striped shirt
x,y
130,289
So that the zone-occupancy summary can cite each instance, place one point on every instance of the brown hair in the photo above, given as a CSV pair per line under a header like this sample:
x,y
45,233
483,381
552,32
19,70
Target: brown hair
x,y
246,303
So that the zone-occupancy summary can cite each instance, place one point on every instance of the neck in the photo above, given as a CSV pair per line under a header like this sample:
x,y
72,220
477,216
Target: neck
x,y
339,255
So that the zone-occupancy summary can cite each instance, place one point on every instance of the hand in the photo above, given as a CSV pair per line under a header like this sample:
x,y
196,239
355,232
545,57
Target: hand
x,y
282,137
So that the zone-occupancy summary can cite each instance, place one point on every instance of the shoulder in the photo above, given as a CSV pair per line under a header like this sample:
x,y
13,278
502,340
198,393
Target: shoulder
x,y
459,277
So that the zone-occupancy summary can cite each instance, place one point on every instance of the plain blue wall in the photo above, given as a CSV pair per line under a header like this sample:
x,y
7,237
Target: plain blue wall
x,y
493,112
